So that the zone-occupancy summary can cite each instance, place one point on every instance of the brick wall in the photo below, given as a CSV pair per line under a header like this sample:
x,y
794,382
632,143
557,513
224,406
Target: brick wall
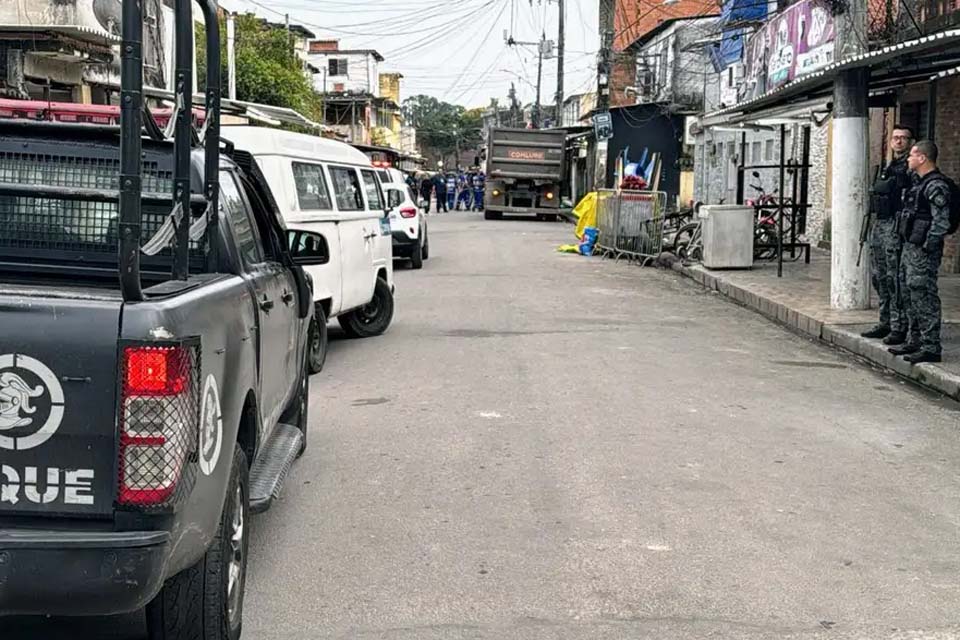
x,y
948,139
633,18
623,75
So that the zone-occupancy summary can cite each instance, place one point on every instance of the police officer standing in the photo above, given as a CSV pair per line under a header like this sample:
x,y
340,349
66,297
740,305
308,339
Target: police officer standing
x,y
886,202
924,223
440,186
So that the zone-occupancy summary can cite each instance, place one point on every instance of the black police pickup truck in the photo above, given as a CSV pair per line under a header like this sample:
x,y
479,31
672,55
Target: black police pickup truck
x,y
153,384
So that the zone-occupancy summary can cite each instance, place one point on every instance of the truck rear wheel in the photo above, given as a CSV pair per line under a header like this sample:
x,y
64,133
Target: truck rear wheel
x,y
205,602
373,318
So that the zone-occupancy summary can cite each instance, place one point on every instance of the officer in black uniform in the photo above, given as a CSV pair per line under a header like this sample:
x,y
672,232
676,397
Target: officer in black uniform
x,y
886,202
924,223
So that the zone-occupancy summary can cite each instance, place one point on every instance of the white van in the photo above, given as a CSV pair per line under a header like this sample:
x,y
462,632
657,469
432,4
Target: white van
x,y
330,188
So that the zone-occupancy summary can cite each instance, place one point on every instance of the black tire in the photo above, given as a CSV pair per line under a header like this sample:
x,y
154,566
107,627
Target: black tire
x,y
372,319
416,257
196,604
488,215
426,245
683,237
318,341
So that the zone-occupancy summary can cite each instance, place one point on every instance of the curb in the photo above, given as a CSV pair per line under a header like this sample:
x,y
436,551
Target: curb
x,y
926,375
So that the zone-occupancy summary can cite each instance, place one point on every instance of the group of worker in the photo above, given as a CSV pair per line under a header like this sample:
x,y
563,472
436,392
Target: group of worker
x,y
455,191
910,206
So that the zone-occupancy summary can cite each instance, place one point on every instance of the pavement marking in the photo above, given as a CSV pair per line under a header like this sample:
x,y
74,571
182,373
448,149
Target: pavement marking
x,y
658,547
489,415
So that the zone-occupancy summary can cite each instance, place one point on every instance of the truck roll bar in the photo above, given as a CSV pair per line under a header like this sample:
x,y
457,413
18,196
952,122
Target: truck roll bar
x,y
131,131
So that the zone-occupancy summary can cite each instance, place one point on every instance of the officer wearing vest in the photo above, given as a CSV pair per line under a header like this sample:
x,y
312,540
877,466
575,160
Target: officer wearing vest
x,y
886,202
924,223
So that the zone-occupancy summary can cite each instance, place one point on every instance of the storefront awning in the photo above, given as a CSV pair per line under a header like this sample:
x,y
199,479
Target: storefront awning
x,y
916,59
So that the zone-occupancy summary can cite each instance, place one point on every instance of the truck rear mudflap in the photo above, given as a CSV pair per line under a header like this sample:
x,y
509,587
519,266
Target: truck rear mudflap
x,y
58,389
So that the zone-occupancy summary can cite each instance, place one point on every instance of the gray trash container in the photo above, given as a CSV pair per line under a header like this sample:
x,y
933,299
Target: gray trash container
x,y
727,236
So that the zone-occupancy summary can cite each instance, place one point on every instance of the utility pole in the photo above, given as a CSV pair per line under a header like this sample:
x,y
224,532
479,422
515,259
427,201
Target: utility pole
x,y
603,86
850,284
537,108
561,47
544,47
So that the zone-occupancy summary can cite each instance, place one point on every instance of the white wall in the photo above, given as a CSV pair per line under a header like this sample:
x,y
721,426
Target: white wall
x,y
363,72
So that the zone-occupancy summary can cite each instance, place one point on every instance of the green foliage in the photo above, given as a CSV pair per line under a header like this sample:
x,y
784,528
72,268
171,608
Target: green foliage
x,y
268,71
442,128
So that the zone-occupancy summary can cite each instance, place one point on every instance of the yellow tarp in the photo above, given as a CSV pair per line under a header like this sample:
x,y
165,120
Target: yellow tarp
x,y
586,213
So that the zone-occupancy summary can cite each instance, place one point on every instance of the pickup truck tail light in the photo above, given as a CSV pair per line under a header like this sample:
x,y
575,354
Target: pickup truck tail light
x,y
408,212
159,416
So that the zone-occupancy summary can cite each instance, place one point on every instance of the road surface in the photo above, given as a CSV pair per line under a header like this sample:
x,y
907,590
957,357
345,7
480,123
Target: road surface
x,y
549,446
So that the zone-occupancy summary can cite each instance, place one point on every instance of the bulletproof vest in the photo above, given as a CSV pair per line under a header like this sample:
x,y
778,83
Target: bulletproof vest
x,y
886,196
922,203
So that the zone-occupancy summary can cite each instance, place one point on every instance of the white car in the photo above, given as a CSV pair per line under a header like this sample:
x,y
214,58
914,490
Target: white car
x,y
331,189
408,225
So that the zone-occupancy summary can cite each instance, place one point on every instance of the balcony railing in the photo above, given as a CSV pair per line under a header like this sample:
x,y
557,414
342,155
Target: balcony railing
x,y
893,21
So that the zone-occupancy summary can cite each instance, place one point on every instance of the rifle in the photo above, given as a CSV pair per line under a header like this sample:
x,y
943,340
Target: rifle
x,y
865,224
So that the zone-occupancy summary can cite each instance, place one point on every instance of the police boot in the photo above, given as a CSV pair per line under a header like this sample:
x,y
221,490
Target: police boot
x,y
878,331
895,338
923,356
905,350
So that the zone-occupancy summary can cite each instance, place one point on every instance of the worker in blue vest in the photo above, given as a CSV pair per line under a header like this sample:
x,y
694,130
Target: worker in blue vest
x,y
464,191
478,183
451,191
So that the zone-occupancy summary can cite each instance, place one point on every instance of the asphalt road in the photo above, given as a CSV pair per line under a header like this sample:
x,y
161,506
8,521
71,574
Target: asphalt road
x,y
548,446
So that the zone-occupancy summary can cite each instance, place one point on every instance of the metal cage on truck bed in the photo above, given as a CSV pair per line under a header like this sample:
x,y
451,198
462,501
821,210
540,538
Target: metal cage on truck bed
x,y
94,201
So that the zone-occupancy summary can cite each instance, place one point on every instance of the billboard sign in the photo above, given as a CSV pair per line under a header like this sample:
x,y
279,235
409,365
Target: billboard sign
x,y
797,41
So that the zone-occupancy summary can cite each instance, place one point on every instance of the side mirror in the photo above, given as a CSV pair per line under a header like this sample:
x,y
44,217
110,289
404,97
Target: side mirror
x,y
308,248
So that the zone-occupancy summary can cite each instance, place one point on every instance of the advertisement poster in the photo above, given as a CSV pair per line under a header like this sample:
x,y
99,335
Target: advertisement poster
x,y
793,43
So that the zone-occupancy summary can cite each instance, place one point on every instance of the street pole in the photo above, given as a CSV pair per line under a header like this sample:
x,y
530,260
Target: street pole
x,y
561,46
850,284
603,85
536,110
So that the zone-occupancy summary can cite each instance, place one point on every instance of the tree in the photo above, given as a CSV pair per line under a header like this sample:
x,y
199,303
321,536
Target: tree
x,y
268,70
443,129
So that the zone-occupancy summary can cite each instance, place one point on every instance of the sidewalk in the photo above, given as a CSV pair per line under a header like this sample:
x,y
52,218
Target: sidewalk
x,y
801,300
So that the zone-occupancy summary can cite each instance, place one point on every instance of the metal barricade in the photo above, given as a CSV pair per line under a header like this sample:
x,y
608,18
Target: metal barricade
x,y
630,224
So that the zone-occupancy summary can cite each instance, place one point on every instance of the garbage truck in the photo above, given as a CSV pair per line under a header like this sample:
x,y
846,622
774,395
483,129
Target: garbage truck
x,y
524,173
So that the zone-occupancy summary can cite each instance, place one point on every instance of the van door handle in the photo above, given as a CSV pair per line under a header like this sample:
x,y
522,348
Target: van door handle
x,y
287,298
266,303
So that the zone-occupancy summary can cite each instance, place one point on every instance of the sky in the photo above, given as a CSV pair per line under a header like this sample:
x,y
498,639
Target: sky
x,y
454,50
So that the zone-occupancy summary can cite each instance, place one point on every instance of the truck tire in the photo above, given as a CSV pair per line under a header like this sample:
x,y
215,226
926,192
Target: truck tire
x,y
416,257
205,602
491,215
373,318
318,341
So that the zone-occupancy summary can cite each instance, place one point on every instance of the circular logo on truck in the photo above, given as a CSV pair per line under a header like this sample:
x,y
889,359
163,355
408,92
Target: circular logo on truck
x,y
31,402
211,426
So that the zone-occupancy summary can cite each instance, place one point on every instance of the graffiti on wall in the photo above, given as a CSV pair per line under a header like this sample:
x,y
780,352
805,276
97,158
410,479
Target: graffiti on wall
x,y
791,44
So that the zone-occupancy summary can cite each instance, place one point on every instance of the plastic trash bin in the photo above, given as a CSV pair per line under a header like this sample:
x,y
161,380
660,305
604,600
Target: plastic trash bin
x,y
727,236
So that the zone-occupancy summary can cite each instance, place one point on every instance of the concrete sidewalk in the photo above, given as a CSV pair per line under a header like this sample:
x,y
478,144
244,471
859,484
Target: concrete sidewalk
x,y
801,300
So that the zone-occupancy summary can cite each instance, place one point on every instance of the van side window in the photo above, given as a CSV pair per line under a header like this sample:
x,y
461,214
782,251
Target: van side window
x,y
231,204
311,187
374,196
346,189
